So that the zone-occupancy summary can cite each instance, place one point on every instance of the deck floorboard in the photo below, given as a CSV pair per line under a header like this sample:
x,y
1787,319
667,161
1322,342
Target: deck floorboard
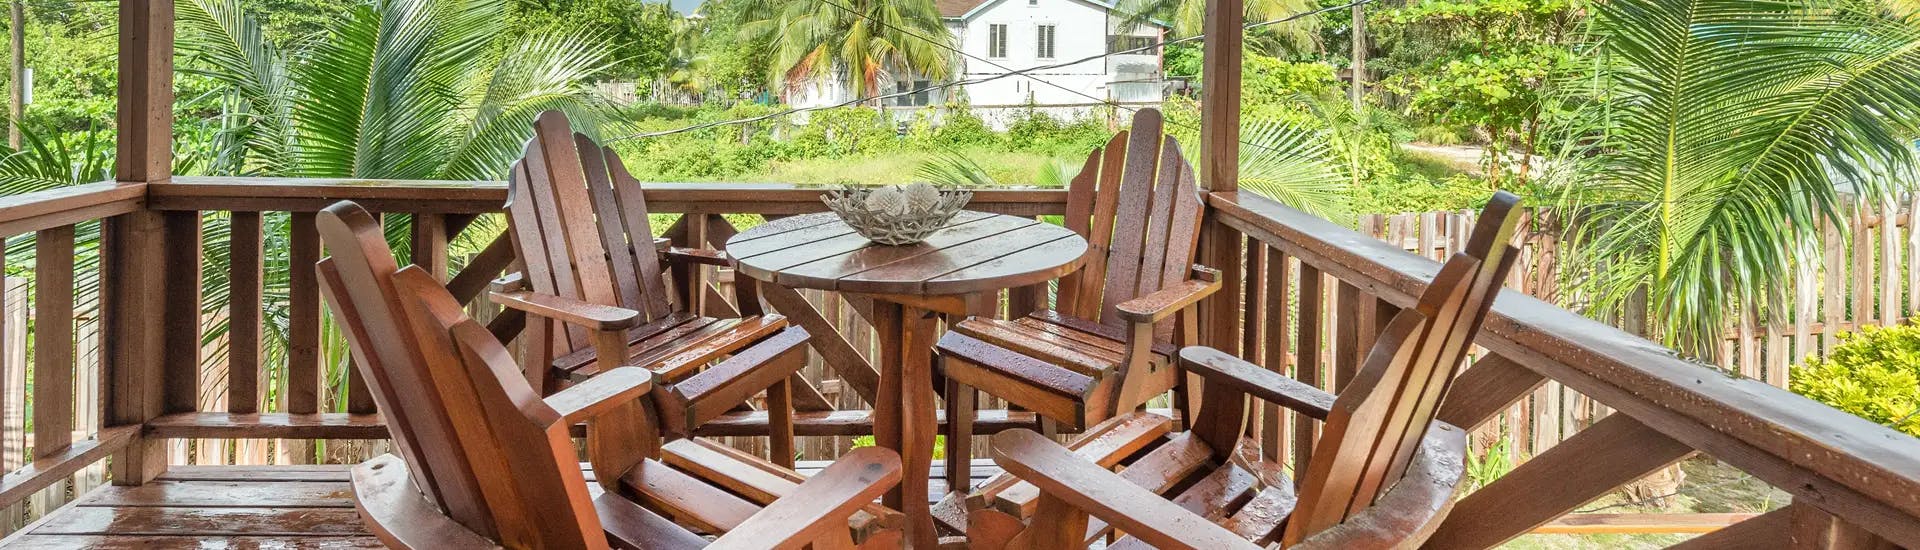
x,y
290,507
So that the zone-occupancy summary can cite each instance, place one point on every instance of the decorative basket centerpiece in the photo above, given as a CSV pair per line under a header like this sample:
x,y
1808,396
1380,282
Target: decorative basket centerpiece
x,y
897,214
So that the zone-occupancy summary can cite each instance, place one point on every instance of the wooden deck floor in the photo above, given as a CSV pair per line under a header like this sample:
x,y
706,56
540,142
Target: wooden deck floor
x,y
265,507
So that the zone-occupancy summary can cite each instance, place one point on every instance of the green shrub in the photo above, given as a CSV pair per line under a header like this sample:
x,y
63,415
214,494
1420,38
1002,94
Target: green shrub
x,y
842,132
961,128
1874,374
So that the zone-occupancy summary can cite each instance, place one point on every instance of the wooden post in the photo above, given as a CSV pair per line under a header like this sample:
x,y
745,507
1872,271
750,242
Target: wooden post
x,y
17,91
1220,97
135,298
1357,87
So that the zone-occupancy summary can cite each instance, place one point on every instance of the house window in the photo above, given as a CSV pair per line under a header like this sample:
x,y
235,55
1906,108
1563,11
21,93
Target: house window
x,y
916,93
1127,43
1045,43
996,40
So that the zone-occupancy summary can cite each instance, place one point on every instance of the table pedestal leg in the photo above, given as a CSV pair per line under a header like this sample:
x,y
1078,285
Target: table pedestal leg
x,y
904,420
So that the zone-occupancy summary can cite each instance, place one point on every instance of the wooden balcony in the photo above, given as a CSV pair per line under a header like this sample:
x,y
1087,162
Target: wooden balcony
x,y
132,395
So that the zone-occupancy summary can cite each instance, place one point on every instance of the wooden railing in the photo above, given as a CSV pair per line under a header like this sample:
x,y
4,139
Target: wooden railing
x,y
1849,477
1312,295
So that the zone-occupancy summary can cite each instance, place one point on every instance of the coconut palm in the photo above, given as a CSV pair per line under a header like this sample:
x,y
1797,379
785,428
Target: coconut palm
x,y
1187,17
398,89
402,89
1733,122
858,41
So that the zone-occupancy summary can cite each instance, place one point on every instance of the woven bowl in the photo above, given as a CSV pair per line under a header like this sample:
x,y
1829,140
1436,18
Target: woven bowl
x,y
896,215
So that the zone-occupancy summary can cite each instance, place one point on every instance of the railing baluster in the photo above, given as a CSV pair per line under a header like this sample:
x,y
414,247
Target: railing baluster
x,y
302,391
1347,317
1307,361
245,266
53,341
1255,317
1274,444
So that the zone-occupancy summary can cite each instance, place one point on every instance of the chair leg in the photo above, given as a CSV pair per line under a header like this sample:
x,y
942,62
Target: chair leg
x,y
780,423
960,412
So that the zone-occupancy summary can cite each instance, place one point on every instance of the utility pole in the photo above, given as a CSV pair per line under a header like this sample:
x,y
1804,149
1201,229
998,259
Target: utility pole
x,y
17,83
1358,92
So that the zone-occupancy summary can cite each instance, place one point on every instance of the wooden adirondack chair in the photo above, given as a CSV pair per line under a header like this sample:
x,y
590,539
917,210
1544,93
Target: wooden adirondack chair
x,y
593,286
1382,475
485,461
1108,345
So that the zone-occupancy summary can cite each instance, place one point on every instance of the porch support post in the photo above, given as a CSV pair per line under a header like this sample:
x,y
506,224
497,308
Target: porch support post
x,y
1220,245
138,355
1220,96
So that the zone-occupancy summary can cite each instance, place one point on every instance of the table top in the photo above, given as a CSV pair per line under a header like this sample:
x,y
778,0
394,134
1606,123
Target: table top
x,y
977,252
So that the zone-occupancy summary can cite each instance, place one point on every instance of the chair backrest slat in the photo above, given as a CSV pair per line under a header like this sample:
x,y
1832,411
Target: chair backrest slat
x,y
655,301
523,445
1377,422
1130,215
454,398
613,234
357,282
1141,216
580,224
1080,197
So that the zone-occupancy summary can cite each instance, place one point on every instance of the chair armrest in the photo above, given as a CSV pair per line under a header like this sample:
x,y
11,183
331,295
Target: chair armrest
x,y
1086,486
604,392
1165,302
568,310
825,501
509,282
1216,367
702,256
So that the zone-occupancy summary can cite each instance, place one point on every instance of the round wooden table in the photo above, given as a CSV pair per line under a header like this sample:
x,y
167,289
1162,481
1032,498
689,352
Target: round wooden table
x,y
957,271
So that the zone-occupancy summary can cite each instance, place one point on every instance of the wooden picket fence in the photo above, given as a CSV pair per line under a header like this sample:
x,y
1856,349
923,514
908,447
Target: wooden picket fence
x,y
1864,277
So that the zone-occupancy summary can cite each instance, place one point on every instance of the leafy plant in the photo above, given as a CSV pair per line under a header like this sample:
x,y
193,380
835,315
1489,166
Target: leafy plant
x,y
1489,464
1874,374
853,42
1732,123
397,89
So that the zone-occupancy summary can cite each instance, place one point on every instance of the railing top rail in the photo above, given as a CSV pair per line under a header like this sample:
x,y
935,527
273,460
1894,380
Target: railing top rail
x,y
1842,463
439,196
51,208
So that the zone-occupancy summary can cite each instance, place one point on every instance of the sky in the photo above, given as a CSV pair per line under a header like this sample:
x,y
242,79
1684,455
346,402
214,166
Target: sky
x,y
684,6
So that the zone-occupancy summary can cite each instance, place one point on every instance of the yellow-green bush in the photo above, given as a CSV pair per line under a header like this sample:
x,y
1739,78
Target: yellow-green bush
x,y
1874,374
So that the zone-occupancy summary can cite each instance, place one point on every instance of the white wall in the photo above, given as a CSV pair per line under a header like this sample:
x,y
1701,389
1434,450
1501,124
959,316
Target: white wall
x,y
1081,32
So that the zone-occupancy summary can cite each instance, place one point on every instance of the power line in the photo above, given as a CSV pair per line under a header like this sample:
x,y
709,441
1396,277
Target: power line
x,y
1010,72
1108,102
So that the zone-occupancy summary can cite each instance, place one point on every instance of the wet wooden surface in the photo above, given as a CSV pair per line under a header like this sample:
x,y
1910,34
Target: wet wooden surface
x,y
293,507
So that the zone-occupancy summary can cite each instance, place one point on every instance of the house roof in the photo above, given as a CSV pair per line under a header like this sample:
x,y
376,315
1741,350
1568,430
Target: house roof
x,y
956,8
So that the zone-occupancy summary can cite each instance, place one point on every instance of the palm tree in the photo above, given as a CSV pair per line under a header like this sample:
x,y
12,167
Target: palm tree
x,y
858,40
401,89
1733,122
1187,17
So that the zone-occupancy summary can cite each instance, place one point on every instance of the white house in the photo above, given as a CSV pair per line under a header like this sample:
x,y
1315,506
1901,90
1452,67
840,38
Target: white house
x,y
1002,36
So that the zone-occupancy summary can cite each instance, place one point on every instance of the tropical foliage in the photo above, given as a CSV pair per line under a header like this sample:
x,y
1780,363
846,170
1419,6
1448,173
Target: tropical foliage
x,y
1187,17
1735,125
393,91
1874,374
853,42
